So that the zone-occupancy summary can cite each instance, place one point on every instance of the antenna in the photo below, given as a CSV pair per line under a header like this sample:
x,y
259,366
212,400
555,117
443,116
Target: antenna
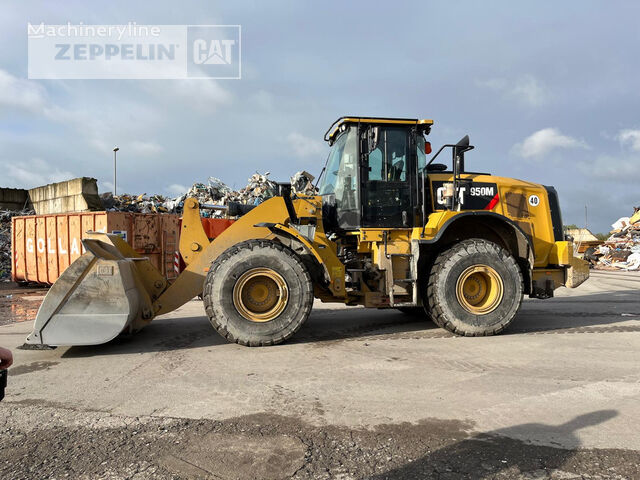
x,y
586,218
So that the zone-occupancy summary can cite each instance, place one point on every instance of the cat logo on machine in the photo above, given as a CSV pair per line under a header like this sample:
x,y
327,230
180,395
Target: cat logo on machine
x,y
471,196
534,200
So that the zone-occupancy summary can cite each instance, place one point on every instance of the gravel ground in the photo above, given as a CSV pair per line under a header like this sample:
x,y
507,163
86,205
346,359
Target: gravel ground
x,y
79,444
355,394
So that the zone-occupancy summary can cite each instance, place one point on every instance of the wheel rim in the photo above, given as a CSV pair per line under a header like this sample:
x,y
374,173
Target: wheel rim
x,y
480,289
260,294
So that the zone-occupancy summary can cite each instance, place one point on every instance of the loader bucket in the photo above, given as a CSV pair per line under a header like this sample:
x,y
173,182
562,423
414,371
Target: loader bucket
x,y
106,291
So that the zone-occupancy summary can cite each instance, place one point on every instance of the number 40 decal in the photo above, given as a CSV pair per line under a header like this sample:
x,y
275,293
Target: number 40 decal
x,y
534,200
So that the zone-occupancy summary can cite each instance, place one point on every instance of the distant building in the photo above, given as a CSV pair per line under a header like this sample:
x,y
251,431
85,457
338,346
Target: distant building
x,y
583,238
582,235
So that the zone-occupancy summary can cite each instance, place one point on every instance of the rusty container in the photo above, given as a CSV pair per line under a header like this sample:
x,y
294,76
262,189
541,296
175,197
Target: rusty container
x,y
43,246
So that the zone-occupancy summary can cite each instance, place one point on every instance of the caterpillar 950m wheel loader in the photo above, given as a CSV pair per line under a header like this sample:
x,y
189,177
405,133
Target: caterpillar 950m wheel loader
x,y
388,229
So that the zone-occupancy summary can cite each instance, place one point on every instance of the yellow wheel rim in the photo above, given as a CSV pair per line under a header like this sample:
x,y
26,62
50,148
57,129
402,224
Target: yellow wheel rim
x,y
260,294
479,289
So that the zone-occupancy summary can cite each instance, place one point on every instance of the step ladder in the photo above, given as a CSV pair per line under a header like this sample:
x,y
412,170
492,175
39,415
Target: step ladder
x,y
394,281
171,262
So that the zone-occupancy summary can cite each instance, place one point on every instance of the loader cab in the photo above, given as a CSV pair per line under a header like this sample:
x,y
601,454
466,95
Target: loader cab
x,y
372,174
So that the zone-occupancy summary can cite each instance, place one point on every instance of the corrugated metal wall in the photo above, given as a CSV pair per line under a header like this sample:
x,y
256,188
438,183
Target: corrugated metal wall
x,y
43,246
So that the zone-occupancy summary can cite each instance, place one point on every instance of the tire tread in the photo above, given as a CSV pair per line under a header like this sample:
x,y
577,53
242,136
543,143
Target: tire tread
x,y
229,254
455,253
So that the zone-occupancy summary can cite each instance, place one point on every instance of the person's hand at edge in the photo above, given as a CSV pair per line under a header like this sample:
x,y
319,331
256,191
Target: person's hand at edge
x,y
6,358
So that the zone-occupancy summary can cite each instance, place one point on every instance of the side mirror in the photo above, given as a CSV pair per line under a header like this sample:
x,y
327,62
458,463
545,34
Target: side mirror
x,y
462,146
458,153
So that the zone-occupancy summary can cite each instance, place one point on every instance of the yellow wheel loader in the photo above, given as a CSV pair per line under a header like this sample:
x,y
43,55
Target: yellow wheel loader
x,y
389,228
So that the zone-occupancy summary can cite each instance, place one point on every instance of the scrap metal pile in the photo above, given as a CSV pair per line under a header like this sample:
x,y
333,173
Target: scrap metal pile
x,y
132,203
621,251
5,241
215,192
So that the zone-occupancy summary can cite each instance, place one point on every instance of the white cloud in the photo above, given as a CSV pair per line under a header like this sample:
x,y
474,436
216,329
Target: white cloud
x,y
101,122
104,126
19,93
144,148
528,91
629,137
612,169
32,173
525,90
303,146
205,95
544,141
176,189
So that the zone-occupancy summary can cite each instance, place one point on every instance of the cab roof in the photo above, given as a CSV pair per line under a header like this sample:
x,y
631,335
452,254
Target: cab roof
x,y
336,126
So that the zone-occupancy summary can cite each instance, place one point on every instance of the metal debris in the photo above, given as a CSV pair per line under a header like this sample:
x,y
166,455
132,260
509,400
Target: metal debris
x,y
259,188
215,191
5,241
132,203
621,251
302,183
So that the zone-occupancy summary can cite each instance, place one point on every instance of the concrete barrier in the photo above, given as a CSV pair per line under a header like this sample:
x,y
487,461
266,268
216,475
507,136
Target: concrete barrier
x,y
76,195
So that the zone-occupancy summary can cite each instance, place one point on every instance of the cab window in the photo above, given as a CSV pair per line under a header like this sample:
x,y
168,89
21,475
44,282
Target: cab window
x,y
388,161
386,196
422,157
341,180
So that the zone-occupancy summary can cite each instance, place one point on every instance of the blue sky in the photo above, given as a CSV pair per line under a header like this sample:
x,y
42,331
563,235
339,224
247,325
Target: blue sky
x,y
547,91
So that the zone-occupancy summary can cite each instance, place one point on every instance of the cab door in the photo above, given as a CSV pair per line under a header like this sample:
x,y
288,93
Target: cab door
x,y
387,170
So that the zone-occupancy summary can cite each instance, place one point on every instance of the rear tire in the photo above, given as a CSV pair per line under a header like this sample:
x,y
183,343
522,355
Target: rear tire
x,y
475,288
258,293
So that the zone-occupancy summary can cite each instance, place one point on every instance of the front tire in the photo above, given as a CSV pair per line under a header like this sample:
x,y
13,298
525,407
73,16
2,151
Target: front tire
x,y
258,293
475,288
